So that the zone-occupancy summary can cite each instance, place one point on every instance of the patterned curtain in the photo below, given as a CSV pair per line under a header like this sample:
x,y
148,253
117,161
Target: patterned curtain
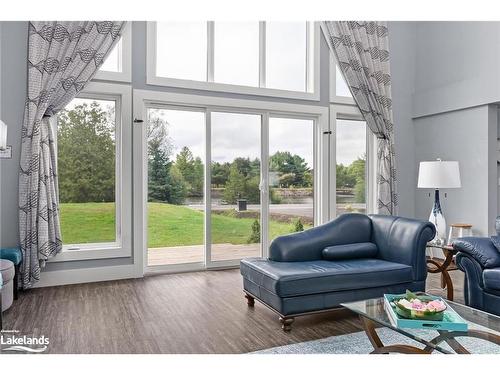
x,y
62,58
362,52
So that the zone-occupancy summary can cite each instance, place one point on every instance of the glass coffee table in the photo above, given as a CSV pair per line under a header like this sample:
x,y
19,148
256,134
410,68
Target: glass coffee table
x,y
482,326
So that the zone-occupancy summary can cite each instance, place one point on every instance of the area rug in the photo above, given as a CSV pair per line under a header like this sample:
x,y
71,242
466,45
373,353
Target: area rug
x,y
358,343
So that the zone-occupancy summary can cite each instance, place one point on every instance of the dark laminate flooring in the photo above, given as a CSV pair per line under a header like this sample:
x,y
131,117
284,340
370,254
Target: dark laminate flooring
x,y
200,312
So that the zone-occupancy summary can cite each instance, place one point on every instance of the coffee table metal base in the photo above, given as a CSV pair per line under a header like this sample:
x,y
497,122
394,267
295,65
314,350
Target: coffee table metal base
x,y
448,337
380,348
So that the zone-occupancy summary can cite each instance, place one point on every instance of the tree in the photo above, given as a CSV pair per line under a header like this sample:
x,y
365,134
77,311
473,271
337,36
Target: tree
x,y
298,226
299,174
344,177
220,173
86,154
166,183
255,236
191,170
235,186
358,170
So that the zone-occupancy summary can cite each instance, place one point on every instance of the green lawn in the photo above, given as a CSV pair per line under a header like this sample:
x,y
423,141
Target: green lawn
x,y
169,225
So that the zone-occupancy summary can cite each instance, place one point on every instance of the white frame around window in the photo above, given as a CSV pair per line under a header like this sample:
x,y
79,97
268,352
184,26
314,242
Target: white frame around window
x,y
350,112
144,99
125,58
334,98
312,70
122,247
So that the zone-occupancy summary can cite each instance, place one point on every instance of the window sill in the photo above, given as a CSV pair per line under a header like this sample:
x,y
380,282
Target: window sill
x,y
90,252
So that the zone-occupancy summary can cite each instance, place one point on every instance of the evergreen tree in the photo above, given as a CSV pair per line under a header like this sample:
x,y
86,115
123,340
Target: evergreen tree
x,y
255,235
166,183
191,170
235,186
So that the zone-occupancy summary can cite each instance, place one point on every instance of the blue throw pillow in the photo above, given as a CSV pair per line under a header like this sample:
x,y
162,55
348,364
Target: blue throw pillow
x,y
350,251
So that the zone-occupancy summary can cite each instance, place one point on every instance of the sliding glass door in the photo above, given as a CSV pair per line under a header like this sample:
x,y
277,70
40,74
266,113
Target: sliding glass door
x,y
222,183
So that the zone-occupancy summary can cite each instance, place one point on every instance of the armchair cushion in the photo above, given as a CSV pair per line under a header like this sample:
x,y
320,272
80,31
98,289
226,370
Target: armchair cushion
x,y
286,279
350,251
479,248
491,278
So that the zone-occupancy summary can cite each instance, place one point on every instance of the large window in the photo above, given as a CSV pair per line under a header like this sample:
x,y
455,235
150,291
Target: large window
x,y
339,91
189,41
94,173
286,55
236,53
86,145
262,58
118,64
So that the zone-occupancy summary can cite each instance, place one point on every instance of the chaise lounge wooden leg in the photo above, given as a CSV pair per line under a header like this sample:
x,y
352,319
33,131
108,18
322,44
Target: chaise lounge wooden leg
x,y
286,323
250,300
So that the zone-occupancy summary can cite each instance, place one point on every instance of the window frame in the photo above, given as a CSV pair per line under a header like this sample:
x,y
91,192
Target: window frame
x,y
122,246
312,67
351,112
126,59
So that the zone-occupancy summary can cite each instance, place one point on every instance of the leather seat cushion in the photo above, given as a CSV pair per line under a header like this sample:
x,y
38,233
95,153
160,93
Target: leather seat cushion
x,y
350,251
287,279
491,278
13,254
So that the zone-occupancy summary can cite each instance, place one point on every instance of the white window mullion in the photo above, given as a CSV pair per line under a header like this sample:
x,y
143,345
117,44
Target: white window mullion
x,y
264,188
208,190
210,50
262,54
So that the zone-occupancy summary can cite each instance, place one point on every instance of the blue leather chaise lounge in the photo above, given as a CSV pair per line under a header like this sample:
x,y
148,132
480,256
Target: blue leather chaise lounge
x,y
480,260
351,258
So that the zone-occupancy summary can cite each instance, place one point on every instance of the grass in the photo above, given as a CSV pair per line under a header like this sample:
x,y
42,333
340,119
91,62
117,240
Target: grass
x,y
168,225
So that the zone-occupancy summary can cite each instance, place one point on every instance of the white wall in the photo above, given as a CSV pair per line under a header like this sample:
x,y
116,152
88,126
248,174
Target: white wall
x,y
402,37
457,66
457,89
448,136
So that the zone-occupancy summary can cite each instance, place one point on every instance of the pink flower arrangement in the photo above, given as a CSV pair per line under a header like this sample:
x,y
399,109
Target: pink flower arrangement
x,y
421,306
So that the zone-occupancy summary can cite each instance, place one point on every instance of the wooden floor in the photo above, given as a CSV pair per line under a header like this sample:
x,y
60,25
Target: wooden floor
x,y
202,312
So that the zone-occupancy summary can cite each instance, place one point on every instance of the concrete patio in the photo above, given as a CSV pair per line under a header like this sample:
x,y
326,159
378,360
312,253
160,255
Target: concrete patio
x,y
191,254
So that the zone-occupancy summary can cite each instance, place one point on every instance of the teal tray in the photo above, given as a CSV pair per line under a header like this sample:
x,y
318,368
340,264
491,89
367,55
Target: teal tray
x,y
451,320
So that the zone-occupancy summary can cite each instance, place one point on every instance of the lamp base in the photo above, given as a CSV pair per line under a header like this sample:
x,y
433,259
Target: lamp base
x,y
437,218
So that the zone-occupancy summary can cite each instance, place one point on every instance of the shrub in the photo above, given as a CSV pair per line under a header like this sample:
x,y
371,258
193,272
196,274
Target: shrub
x,y
298,226
255,236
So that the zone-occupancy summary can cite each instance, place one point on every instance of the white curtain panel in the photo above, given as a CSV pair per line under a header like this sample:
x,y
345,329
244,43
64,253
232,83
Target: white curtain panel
x,y
62,58
362,52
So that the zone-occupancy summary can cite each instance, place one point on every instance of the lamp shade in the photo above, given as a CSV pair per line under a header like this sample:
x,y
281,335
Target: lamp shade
x,y
3,135
439,175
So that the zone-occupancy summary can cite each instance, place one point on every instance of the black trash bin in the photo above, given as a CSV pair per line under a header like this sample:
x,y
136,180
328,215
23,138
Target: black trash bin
x,y
242,204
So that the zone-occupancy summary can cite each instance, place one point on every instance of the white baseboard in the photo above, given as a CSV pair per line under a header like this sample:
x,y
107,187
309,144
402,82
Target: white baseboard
x,y
88,275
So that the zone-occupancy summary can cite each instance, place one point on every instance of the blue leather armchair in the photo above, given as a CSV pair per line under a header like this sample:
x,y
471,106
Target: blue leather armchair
x,y
480,260
351,258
